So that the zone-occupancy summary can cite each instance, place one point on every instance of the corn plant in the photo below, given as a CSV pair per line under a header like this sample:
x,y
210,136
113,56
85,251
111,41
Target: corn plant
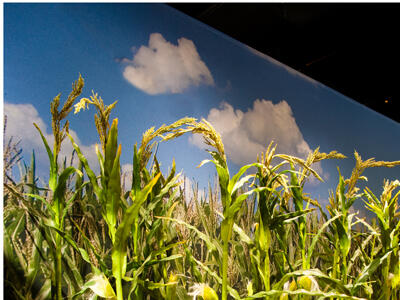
x,y
229,186
22,241
387,211
271,212
255,234
341,230
57,205
145,188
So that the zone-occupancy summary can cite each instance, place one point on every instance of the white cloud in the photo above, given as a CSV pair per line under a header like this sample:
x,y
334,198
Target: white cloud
x,y
20,119
126,175
279,64
162,67
247,134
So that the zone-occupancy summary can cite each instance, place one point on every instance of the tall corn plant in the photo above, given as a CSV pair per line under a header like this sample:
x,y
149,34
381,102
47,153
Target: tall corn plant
x,y
270,196
30,235
231,200
108,192
297,181
110,195
387,210
341,229
57,183
22,241
274,212
346,194
271,214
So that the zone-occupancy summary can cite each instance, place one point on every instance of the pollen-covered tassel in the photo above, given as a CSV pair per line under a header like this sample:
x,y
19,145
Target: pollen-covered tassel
x,y
82,105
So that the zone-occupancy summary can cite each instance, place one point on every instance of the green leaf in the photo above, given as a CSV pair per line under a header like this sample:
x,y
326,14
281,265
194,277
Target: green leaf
x,y
324,295
234,184
50,223
164,259
296,191
204,237
237,203
53,163
113,192
43,200
368,270
226,229
100,158
264,236
89,172
111,148
344,239
223,177
45,290
203,162
169,184
34,260
100,285
316,238
119,251
341,195
288,217
243,236
241,182
135,171
60,191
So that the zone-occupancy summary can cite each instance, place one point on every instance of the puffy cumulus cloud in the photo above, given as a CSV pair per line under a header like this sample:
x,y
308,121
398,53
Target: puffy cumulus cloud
x,y
162,67
20,119
247,134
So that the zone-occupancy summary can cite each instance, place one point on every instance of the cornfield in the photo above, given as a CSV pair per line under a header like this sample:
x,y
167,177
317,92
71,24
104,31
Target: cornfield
x,y
254,234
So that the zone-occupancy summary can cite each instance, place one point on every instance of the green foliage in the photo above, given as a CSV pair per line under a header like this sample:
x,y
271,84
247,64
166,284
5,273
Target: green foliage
x,y
255,234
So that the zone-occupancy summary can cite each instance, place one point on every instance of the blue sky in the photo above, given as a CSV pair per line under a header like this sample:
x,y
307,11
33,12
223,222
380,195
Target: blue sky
x,y
190,70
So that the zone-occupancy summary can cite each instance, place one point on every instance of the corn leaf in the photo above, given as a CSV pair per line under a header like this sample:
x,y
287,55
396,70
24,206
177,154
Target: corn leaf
x,y
53,163
124,229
